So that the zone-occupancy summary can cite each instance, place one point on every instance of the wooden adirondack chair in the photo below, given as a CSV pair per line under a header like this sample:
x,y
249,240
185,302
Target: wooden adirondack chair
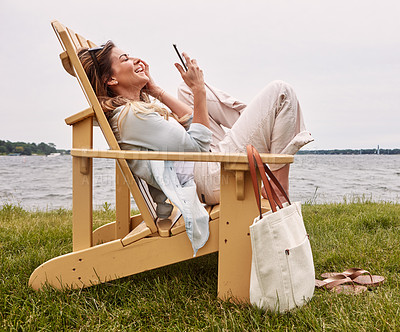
x,y
132,245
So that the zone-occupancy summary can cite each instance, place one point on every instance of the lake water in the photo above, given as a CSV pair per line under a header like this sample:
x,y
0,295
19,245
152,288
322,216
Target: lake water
x,y
38,182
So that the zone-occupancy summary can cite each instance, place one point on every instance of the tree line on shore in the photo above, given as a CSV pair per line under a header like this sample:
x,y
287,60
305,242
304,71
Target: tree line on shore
x,y
351,151
27,149
22,148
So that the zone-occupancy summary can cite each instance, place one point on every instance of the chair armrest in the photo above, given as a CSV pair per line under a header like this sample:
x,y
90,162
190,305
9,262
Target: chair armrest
x,y
71,120
240,158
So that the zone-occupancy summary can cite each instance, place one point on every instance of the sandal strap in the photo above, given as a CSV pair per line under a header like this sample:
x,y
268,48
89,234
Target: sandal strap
x,y
337,280
354,272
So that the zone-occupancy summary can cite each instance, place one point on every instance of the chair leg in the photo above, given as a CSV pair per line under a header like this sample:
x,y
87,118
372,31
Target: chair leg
x,y
122,205
236,215
82,205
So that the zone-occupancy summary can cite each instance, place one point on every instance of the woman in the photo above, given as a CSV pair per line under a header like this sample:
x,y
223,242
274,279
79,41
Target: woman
x,y
272,122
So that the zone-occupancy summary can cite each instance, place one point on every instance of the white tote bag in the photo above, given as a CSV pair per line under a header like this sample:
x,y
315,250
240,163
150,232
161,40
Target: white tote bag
x,y
282,269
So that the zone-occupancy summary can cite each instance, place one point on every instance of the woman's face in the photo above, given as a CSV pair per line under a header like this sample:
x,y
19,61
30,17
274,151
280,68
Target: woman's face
x,y
127,71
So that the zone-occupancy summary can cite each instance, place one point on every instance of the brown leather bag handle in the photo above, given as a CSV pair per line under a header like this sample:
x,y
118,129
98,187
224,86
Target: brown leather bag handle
x,y
253,173
264,170
273,178
272,196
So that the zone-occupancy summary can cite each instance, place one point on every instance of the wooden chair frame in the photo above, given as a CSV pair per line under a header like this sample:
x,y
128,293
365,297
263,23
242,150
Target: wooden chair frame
x,y
131,245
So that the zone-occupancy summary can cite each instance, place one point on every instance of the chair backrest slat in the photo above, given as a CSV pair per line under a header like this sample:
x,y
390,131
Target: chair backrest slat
x,y
144,189
73,38
71,43
82,41
91,44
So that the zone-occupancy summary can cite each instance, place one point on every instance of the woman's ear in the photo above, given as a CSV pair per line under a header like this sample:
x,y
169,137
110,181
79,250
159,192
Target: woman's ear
x,y
112,81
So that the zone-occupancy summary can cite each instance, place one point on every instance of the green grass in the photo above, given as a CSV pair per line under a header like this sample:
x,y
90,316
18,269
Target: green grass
x,y
182,297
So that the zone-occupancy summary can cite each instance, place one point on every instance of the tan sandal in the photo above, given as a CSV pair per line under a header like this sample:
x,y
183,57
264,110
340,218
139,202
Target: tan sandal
x,y
359,276
339,283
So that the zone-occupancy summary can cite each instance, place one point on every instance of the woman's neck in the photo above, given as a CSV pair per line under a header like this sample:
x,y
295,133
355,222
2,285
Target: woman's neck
x,y
135,96
132,94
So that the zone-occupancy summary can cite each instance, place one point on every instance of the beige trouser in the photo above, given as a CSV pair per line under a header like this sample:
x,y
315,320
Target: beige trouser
x,y
272,123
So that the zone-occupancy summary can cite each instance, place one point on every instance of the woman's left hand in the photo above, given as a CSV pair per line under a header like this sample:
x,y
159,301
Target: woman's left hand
x,y
152,88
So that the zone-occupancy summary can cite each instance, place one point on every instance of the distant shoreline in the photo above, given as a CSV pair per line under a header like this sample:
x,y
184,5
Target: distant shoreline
x,y
352,151
8,148
26,149
301,152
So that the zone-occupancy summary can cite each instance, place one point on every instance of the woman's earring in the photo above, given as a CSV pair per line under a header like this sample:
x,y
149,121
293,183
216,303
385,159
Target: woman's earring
x,y
113,81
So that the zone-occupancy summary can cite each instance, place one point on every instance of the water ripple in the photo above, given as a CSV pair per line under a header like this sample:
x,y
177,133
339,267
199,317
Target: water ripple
x,y
37,182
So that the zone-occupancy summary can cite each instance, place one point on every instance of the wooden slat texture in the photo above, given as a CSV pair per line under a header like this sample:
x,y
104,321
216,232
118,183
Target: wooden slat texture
x,y
140,232
234,250
240,158
179,227
122,205
82,41
74,39
91,44
66,63
79,116
82,181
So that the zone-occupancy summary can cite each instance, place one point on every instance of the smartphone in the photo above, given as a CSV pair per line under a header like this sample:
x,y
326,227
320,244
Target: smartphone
x,y
180,57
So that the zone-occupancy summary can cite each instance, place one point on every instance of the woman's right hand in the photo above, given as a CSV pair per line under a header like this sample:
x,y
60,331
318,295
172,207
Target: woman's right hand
x,y
152,88
193,77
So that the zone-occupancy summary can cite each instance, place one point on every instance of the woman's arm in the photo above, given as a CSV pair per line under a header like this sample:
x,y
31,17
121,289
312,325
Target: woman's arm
x,y
152,132
194,79
175,105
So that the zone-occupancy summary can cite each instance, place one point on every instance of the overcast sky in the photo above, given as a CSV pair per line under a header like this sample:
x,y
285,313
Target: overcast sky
x,y
342,57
